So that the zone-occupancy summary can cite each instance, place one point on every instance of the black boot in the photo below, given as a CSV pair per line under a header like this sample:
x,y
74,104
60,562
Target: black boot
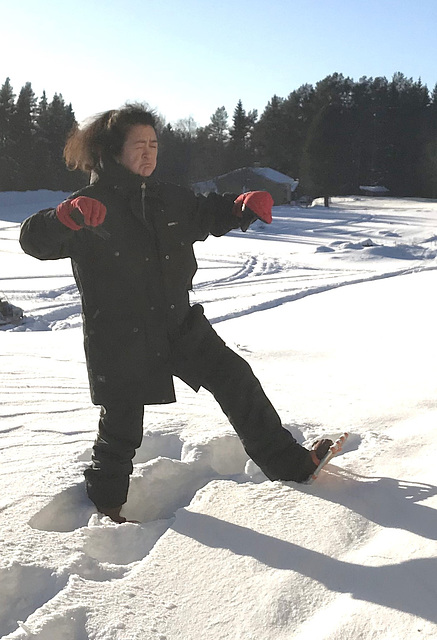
x,y
113,513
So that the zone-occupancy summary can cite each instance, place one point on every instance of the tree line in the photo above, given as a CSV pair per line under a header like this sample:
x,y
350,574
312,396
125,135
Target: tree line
x,y
32,138
334,137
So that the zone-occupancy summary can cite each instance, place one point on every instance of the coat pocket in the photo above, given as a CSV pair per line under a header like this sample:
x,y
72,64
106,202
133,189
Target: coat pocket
x,y
115,347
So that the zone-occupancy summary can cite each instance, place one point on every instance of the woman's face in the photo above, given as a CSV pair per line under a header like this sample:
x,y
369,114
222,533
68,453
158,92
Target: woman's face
x,y
140,150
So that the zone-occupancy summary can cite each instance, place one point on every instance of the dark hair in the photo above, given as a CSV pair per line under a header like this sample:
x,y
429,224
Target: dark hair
x,y
104,135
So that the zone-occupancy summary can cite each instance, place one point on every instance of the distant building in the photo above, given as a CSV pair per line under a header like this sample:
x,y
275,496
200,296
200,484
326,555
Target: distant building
x,y
374,191
280,186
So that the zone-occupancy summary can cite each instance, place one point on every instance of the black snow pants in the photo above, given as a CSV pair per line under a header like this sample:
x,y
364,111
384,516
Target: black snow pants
x,y
201,358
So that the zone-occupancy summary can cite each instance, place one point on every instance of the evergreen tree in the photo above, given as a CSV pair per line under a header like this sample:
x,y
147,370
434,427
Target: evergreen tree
x,y
8,168
408,101
23,127
239,129
175,150
269,136
328,163
209,158
60,121
281,132
42,157
240,153
428,166
218,127
299,111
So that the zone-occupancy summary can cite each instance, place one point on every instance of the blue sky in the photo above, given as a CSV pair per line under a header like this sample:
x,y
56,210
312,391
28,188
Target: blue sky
x,y
188,57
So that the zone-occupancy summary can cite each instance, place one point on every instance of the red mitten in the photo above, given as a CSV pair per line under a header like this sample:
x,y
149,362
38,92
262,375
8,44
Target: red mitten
x,y
92,211
259,202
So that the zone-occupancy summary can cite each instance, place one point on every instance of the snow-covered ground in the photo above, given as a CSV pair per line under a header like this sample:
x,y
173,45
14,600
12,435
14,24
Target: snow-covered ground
x,y
335,310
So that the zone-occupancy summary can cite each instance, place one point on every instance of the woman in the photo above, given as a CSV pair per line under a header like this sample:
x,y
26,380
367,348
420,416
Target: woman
x,y
130,239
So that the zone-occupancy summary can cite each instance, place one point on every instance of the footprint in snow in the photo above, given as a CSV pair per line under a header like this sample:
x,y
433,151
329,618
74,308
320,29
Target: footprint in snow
x,y
160,485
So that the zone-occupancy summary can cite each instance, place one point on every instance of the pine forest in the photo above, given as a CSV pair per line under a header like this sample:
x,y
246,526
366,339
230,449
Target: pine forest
x,y
334,137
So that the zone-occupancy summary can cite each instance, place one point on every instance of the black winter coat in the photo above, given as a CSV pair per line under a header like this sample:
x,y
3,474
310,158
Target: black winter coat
x,y
133,284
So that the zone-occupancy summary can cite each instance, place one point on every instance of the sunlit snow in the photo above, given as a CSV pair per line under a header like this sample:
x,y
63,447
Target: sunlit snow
x,y
335,310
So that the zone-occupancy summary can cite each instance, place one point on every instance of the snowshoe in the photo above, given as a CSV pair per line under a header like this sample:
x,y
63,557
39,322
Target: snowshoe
x,y
327,449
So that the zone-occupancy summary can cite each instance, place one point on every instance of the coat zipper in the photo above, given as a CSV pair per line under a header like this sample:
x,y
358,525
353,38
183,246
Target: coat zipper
x,y
143,199
147,223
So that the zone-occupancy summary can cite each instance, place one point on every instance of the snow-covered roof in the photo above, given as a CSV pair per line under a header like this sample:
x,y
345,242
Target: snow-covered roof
x,y
265,172
375,189
275,176
207,186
